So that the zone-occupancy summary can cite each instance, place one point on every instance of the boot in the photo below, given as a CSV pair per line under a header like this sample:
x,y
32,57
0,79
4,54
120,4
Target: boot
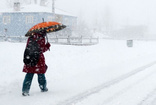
x,y
25,94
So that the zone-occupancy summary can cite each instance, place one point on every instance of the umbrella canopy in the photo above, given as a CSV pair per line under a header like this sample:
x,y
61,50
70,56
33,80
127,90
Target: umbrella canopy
x,y
45,27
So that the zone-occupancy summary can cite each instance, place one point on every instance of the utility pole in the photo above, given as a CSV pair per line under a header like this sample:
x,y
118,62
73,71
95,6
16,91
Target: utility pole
x,y
53,11
53,8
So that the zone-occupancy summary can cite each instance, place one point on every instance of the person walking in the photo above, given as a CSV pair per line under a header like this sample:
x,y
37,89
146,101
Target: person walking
x,y
39,68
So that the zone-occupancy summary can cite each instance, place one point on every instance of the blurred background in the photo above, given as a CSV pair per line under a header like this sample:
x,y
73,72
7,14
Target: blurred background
x,y
117,19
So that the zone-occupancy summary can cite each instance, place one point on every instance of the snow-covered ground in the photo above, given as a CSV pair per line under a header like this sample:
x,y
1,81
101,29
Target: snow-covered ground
x,y
109,73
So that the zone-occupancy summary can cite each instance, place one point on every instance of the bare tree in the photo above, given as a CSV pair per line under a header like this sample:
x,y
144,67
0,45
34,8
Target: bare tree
x,y
35,1
107,21
82,26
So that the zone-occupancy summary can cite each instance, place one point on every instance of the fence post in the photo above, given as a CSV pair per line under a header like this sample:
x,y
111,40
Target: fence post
x,y
90,39
98,39
5,30
56,39
68,39
20,39
81,39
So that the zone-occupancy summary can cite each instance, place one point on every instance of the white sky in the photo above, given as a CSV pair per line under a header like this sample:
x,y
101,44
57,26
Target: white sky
x,y
130,9
123,12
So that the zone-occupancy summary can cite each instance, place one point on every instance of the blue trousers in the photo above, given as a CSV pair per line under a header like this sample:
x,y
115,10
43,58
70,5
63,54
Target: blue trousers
x,y
28,80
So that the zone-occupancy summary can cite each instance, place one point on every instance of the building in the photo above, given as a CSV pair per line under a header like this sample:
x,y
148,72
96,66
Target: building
x,y
17,21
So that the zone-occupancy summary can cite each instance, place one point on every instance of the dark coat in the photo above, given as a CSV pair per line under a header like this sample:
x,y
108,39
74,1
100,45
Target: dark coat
x,y
41,67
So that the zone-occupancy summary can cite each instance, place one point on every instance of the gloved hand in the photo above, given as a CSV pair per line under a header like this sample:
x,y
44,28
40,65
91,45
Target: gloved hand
x,y
48,45
43,33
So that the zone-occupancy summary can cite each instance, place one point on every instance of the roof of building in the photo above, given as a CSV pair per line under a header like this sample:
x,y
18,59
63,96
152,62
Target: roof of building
x,y
36,8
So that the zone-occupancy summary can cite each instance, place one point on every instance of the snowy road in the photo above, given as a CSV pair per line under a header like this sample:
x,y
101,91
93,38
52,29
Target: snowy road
x,y
106,74
130,88
111,83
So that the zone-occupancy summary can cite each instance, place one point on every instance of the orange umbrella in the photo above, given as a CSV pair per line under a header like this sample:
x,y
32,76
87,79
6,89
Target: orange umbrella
x,y
45,27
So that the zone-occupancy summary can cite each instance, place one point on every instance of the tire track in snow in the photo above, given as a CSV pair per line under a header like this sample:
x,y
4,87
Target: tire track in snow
x,y
81,96
127,88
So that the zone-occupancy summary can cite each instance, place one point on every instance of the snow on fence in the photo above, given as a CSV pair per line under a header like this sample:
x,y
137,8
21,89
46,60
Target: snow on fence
x,y
56,40
74,40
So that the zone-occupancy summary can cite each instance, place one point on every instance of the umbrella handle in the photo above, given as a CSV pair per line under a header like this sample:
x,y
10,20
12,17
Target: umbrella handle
x,y
47,40
43,20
